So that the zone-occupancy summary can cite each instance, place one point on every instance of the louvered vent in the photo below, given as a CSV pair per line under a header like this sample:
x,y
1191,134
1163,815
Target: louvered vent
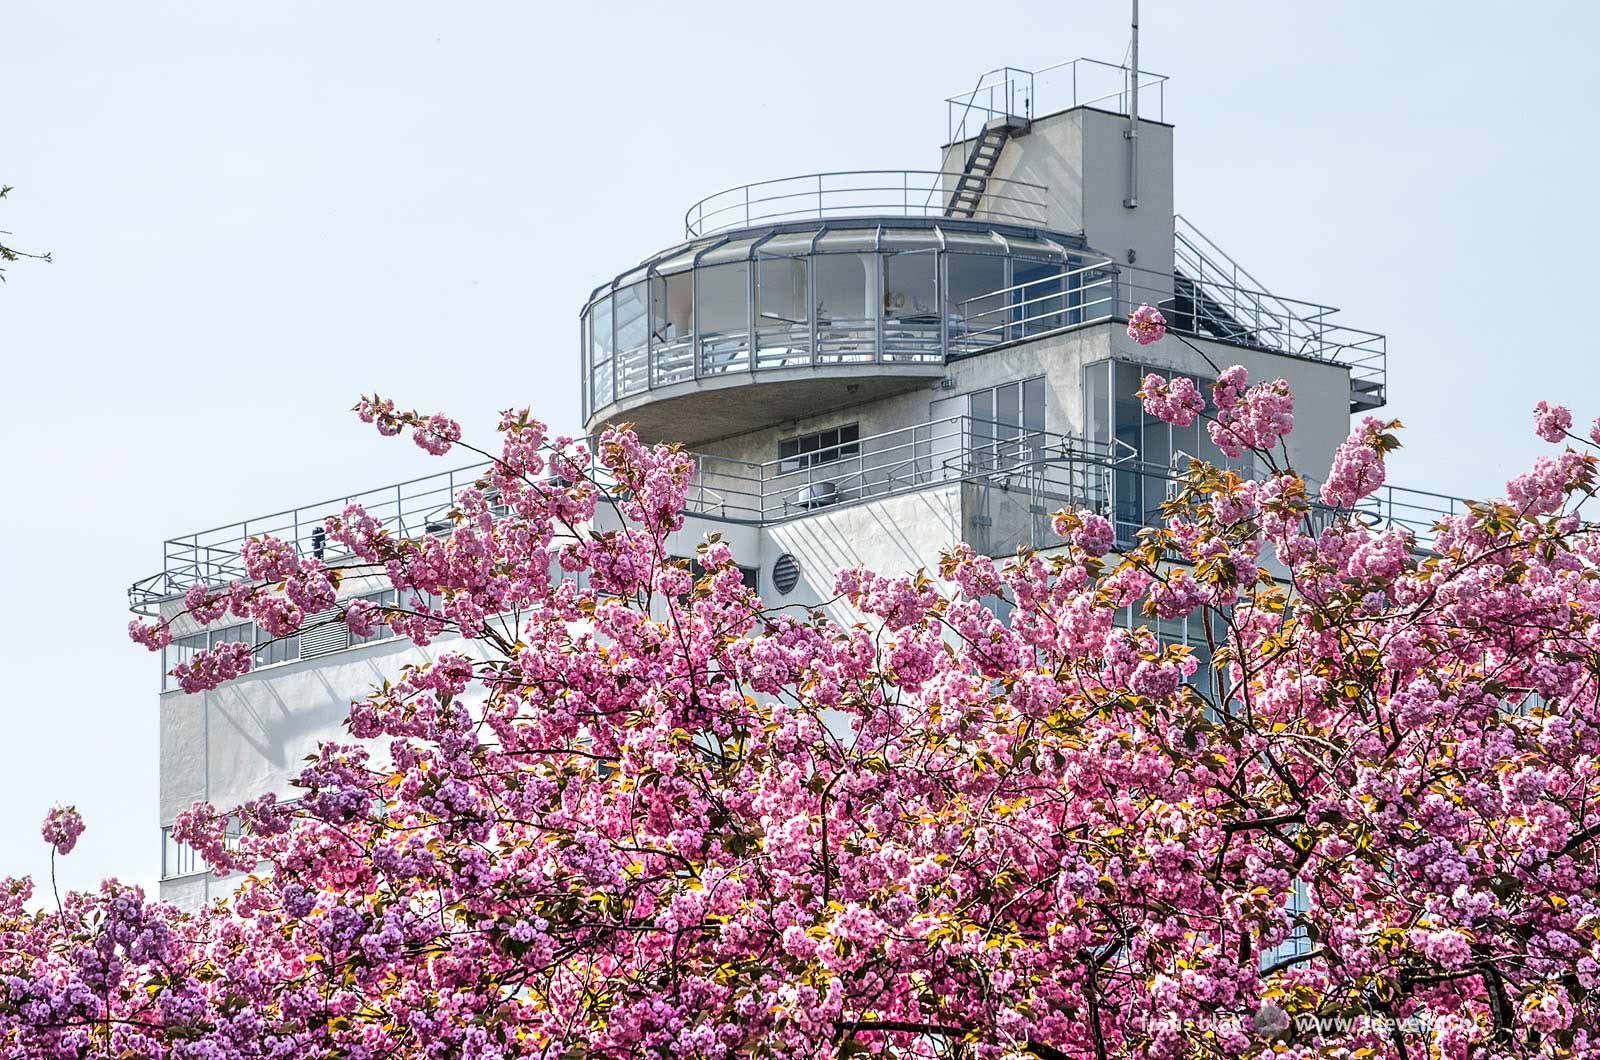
x,y
785,574
320,636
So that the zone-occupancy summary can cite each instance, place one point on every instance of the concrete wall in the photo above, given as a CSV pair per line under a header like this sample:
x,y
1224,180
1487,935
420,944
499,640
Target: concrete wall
x,y
1081,156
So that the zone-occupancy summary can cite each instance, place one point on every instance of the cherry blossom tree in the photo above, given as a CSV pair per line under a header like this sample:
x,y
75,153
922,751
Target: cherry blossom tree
x,y
627,810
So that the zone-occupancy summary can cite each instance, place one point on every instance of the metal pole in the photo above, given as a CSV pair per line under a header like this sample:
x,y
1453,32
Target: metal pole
x,y
1132,201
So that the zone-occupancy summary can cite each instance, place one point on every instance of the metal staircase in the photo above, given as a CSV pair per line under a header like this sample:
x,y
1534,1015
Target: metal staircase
x,y
973,180
1214,295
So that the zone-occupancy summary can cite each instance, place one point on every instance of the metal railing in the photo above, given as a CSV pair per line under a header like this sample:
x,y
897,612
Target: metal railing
x,y
1033,471
1236,306
859,193
212,557
1011,92
951,449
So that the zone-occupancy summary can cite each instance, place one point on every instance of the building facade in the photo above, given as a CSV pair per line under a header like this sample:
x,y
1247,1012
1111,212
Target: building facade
x,y
872,366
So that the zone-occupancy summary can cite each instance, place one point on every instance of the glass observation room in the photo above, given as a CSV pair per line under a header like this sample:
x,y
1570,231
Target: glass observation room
x,y
906,291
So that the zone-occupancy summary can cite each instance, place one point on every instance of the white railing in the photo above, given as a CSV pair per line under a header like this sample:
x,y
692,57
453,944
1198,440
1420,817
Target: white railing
x,y
859,193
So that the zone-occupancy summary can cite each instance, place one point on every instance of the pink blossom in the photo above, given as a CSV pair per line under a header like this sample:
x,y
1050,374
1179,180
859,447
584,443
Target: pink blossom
x,y
1176,402
213,667
62,827
153,635
1357,469
1257,418
1146,325
1095,534
1551,422
437,434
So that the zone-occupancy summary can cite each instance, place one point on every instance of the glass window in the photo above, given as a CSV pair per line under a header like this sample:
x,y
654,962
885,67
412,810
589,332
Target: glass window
x,y
909,287
846,287
722,305
671,307
821,447
781,296
600,349
631,311
672,327
600,338
789,244
1007,422
1038,300
632,322
976,312
848,239
910,239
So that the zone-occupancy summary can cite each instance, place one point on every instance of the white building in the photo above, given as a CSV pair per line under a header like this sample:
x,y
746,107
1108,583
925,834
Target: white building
x,y
873,366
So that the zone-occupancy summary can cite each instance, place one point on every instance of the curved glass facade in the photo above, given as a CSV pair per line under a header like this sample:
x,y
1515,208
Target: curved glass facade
x,y
847,293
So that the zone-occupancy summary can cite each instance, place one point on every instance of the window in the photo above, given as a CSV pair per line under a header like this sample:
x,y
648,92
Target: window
x,y
380,629
601,343
632,324
1038,304
1007,423
823,447
672,327
286,649
1116,419
721,313
783,311
976,312
270,651
910,305
844,288
846,301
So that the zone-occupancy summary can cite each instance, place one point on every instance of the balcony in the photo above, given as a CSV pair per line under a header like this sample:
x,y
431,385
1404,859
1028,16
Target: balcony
x,y
731,332
1016,477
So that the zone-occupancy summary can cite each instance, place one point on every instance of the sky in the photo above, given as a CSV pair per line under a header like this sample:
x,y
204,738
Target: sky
x,y
258,212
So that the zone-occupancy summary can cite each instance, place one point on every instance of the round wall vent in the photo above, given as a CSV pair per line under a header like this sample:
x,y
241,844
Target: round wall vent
x,y
785,574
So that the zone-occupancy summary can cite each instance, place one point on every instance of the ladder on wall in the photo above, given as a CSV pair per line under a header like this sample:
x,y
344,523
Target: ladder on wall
x,y
973,180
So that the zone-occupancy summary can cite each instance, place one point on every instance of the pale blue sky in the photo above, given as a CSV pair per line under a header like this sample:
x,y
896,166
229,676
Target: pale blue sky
x,y
258,211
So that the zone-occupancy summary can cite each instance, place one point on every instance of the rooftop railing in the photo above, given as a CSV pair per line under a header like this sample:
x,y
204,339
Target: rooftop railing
x,y
1210,309
1037,471
860,193
1011,92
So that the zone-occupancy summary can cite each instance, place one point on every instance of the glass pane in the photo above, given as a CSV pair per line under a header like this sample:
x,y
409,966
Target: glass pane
x,y
672,306
781,291
792,244
910,239
983,428
849,239
600,330
1038,304
976,313
722,299
1033,404
845,288
632,323
908,287
1126,419
735,251
1097,391
672,327
633,329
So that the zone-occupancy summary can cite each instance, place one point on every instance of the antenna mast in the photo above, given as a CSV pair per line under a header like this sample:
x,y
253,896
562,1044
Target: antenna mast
x,y
1132,201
